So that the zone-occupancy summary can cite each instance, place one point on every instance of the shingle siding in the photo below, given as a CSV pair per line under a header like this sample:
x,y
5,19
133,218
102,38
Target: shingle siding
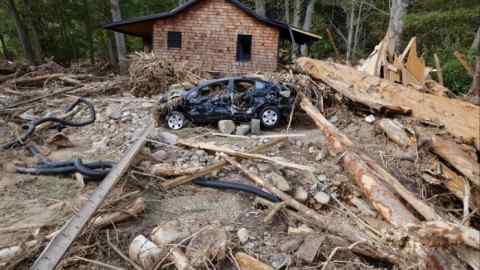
x,y
209,38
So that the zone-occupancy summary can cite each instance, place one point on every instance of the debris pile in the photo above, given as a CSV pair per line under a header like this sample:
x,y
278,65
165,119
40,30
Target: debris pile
x,y
374,175
151,75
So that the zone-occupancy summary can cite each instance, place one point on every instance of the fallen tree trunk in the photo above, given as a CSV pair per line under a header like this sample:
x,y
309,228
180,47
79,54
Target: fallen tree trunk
x,y
443,234
331,224
370,177
459,118
459,159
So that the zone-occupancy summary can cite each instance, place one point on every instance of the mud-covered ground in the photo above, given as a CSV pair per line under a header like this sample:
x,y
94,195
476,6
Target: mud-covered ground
x,y
42,204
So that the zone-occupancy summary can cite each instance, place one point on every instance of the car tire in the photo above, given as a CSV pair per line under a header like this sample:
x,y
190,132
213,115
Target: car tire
x,y
176,120
270,117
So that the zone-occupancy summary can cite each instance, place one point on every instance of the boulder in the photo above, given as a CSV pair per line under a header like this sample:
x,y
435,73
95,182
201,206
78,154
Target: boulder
x,y
242,130
255,126
226,126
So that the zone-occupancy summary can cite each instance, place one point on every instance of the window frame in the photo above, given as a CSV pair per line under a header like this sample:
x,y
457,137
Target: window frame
x,y
242,40
174,40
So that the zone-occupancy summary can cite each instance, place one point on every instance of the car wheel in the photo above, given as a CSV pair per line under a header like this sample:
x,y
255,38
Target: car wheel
x,y
176,120
270,117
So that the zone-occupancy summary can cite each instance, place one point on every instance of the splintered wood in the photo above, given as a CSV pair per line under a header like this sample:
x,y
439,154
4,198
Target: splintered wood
x,y
459,118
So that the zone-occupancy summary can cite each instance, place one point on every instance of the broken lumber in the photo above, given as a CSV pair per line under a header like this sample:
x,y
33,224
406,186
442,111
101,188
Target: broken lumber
x,y
218,149
459,118
215,167
438,66
247,262
457,157
167,170
53,253
30,101
395,132
133,210
331,224
463,60
443,234
371,177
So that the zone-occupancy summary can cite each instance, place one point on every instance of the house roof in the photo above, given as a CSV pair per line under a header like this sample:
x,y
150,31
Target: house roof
x,y
143,26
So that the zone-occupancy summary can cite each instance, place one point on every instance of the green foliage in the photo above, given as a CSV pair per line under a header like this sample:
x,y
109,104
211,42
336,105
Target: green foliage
x,y
454,74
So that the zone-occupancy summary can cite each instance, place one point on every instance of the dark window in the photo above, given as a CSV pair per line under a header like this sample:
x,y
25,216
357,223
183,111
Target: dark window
x,y
244,48
174,40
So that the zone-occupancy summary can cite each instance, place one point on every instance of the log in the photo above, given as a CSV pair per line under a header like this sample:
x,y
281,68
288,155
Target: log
x,y
133,210
331,224
444,234
371,182
371,177
456,184
218,149
457,157
459,118
247,262
35,81
395,132
215,167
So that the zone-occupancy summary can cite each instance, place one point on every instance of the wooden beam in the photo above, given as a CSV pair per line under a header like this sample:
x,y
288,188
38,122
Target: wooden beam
x,y
58,246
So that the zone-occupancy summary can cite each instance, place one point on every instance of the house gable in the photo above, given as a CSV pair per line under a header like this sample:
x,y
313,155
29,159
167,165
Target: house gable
x,y
210,31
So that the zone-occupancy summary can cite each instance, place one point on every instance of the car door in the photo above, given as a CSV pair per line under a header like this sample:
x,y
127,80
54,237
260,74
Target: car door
x,y
211,102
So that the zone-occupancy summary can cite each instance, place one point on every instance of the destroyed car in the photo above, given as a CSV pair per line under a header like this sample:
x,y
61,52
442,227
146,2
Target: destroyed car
x,y
239,99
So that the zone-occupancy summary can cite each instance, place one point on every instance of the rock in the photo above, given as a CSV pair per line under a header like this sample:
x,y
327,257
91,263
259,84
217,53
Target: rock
x,y
312,149
114,111
242,130
160,155
321,155
207,246
262,167
280,260
370,119
322,178
301,194
165,137
255,126
170,232
279,181
226,126
309,249
322,197
303,229
291,245
247,262
243,235
333,119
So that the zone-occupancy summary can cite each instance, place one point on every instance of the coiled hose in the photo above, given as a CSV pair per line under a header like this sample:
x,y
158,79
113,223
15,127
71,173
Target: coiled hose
x,y
93,171
61,123
222,185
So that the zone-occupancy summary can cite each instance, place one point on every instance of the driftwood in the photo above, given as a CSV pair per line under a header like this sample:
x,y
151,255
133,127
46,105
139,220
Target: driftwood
x,y
218,149
166,170
133,210
443,234
459,118
395,132
247,262
215,167
458,158
331,224
371,177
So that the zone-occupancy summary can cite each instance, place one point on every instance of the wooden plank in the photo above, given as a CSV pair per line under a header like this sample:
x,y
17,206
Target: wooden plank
x,y
438,66
56,249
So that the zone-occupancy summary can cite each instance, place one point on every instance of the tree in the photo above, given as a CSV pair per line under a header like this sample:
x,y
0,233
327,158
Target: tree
x,y
260,7
6,53
475,89
30,19
119,38
476,40
396,25
307,24
22,32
